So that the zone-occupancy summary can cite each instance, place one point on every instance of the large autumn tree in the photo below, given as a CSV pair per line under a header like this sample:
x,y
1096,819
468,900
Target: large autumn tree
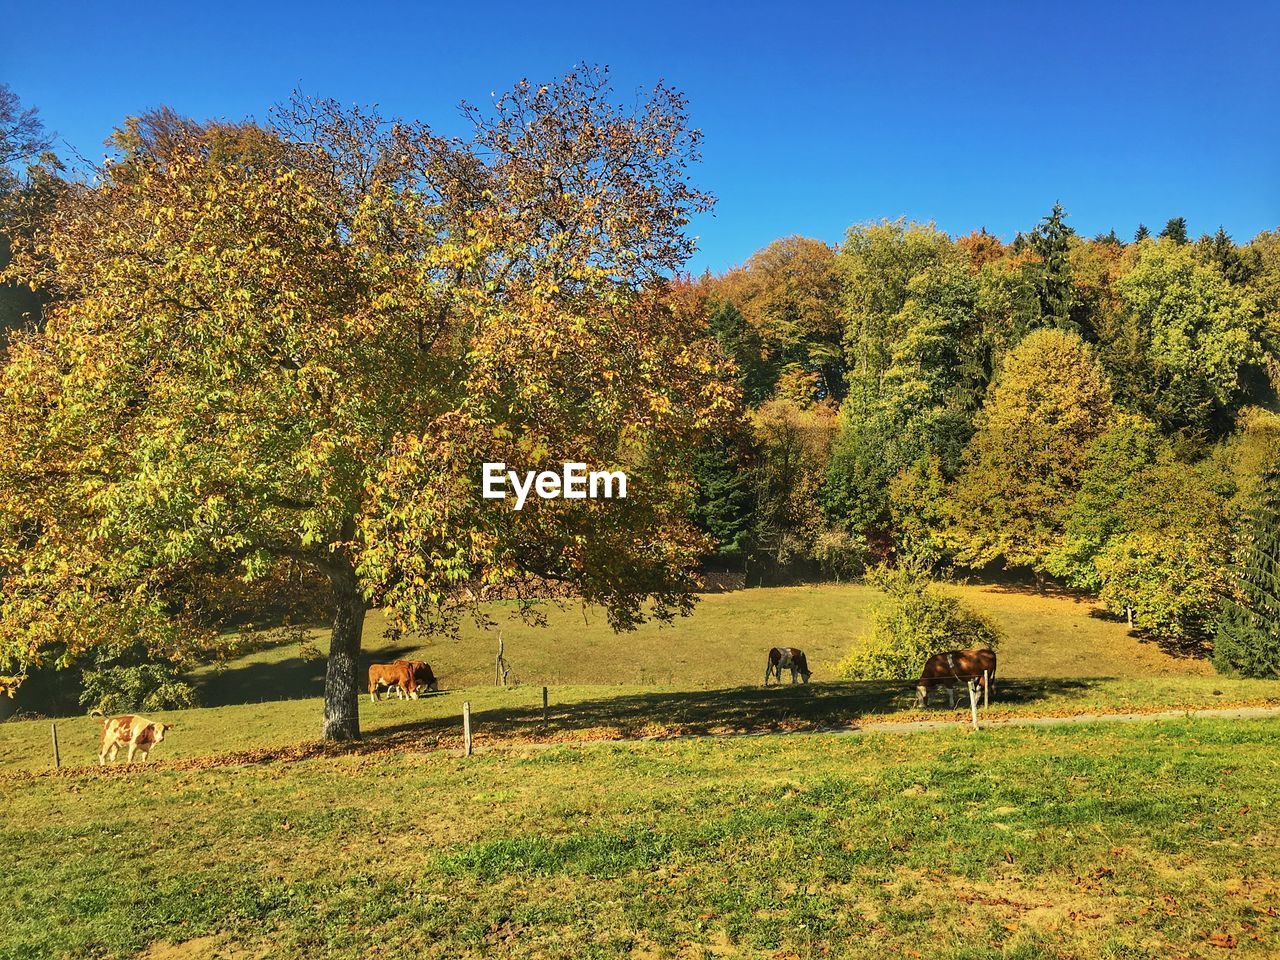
x,y
291,347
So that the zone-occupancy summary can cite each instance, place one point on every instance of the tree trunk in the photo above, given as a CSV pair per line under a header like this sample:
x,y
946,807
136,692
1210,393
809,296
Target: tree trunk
x,y
341,682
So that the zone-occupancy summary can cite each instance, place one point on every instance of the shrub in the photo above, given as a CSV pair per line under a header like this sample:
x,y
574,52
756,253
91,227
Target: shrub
x,y
915,622
116,687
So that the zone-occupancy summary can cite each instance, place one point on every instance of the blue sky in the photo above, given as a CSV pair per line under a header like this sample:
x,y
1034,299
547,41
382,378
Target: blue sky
x,y
816,116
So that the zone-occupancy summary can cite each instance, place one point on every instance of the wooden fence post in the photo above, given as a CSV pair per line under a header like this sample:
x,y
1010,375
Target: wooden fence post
x,y
57,758
466,727
986,687
973,701
544,705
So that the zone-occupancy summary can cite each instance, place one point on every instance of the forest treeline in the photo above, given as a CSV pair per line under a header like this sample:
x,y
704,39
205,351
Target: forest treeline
x,y
1091,412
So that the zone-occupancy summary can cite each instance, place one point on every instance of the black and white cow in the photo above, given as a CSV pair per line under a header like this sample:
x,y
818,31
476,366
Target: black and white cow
x,y
786,658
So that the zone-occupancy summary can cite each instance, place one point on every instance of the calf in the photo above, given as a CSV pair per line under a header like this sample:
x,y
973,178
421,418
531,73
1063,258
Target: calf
x,y
422,675
398,675
786,658
954,670
139,734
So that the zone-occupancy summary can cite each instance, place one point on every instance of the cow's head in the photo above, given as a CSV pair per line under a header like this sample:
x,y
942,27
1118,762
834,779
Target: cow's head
x,y
158,731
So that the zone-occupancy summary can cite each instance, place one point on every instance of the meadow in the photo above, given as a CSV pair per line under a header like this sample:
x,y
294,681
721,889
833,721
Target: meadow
x,y
1153,840
605,831
700,675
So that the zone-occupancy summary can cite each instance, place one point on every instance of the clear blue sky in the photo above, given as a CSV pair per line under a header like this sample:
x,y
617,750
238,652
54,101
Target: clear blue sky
x,y
816,116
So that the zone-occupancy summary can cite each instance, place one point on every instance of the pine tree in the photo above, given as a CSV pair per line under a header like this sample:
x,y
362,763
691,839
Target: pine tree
x,y
1175,230
1051,240
1248,640
1142,233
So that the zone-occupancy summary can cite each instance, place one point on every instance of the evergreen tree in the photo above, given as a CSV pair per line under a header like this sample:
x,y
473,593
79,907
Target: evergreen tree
x,y
1248,640
1142,233
1220,251
1051,241
723,505
1175,230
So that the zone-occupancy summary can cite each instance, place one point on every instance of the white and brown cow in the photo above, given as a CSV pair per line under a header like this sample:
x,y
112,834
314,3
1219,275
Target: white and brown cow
x,y
136,733
786,658
954,670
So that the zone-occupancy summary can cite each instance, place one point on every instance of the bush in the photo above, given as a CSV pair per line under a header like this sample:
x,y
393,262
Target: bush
x,y
917,621
122,687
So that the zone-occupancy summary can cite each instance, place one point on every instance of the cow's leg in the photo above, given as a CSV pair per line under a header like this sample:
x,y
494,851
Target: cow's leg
x,y
951,696
115,749
144,754
922,696
133,748
768,669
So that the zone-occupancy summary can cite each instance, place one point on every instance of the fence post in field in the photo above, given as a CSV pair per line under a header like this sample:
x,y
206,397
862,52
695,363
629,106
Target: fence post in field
x,y
544,704
986,686
973,701
57,758
466,727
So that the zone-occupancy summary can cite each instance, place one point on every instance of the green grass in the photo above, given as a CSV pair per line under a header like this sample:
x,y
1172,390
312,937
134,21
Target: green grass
x,y
701,675
1141,841
722,645
609,713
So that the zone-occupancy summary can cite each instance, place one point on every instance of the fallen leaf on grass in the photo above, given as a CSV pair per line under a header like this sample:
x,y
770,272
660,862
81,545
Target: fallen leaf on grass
x,y
1224,940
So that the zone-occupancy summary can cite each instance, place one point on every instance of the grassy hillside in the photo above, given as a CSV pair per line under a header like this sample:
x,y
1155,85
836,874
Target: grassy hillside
x,y
1152,841
722,645
701,675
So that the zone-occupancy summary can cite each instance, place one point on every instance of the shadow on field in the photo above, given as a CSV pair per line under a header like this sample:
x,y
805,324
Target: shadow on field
x,y
733,710
723,711
289,679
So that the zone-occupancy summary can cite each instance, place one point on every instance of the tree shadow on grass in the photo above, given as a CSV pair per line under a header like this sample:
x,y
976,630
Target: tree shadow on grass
x,y
289,679
729,711
735,710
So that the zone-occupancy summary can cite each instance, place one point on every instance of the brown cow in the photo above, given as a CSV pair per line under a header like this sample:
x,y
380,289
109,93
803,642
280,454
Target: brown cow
x,y
422,675
139,734
786,658
954,670
398,675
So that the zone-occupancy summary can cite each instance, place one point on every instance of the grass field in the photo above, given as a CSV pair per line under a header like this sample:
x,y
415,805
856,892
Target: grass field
x,y
245,840
702,676
722,645
1157,840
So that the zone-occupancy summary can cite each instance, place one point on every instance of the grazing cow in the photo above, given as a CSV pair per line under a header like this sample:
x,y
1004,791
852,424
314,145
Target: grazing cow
x,y
422,675
786,658
398,675
954,670
139,734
